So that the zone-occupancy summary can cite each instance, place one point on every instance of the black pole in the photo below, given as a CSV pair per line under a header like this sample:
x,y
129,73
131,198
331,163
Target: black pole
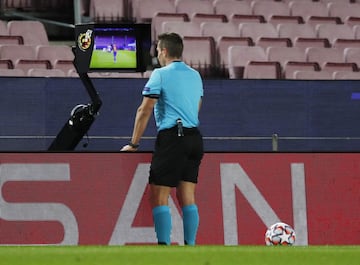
x,y
81,118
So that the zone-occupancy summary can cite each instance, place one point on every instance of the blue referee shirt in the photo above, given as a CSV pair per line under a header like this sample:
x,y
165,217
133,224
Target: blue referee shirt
x,y
179,89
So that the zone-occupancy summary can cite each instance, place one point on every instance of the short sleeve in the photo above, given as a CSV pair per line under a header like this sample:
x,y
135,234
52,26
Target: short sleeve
x,y
153,86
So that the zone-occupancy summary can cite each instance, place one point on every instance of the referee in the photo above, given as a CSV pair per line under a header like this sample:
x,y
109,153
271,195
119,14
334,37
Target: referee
x,y
174,93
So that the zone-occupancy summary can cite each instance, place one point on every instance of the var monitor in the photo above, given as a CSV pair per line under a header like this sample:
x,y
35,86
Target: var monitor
x,y
112,47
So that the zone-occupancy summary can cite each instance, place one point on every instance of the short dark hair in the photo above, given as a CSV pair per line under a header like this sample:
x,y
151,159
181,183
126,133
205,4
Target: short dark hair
x,y
173,43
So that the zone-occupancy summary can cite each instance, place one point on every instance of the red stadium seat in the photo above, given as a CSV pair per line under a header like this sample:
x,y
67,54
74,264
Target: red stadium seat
x,y
258,30
340,67
239,56
182,28
199,52
230,8
146,10
237,19
26,65
11,40
305,43
306,9
325,55
54,53
36,72
222,47
270,8
262,70
333,32
3,28
291,67
347,75
218,30
295,31
159,18
108,10
18,52
313,75
32,32
352,55
274,42
344,10
191,7
6,64
201,18
285,54
12,72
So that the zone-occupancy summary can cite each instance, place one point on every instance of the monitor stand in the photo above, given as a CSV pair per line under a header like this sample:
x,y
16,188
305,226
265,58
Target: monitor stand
x,y
81,118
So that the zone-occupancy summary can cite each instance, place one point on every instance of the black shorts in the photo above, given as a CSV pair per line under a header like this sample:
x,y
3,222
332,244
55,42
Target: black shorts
x,y
176,158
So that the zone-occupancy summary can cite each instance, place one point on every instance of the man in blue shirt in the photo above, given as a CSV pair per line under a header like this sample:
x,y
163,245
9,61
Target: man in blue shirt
x,y
174,93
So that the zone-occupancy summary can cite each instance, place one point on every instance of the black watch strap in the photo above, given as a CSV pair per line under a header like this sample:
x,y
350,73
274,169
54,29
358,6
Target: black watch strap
x,y
134,145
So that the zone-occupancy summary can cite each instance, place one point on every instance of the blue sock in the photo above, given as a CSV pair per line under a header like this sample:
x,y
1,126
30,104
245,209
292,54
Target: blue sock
x,y
191,223
162,222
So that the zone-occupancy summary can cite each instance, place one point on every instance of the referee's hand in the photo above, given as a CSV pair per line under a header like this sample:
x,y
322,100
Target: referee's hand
x,y
128,148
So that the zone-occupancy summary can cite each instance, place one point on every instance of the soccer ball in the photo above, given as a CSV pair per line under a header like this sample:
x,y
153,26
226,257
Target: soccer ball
x,y
280,234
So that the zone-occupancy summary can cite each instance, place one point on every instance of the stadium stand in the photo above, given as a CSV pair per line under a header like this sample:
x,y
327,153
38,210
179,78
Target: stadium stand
x,y
287,24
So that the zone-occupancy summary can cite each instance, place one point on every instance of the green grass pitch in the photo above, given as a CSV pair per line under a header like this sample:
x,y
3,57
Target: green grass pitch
x,y
198,255
103,59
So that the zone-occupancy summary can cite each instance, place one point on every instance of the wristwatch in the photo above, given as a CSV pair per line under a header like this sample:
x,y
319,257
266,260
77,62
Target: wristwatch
x,y
133,145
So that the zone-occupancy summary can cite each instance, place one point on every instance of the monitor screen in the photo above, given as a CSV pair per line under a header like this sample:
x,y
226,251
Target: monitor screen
x,y
114,47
